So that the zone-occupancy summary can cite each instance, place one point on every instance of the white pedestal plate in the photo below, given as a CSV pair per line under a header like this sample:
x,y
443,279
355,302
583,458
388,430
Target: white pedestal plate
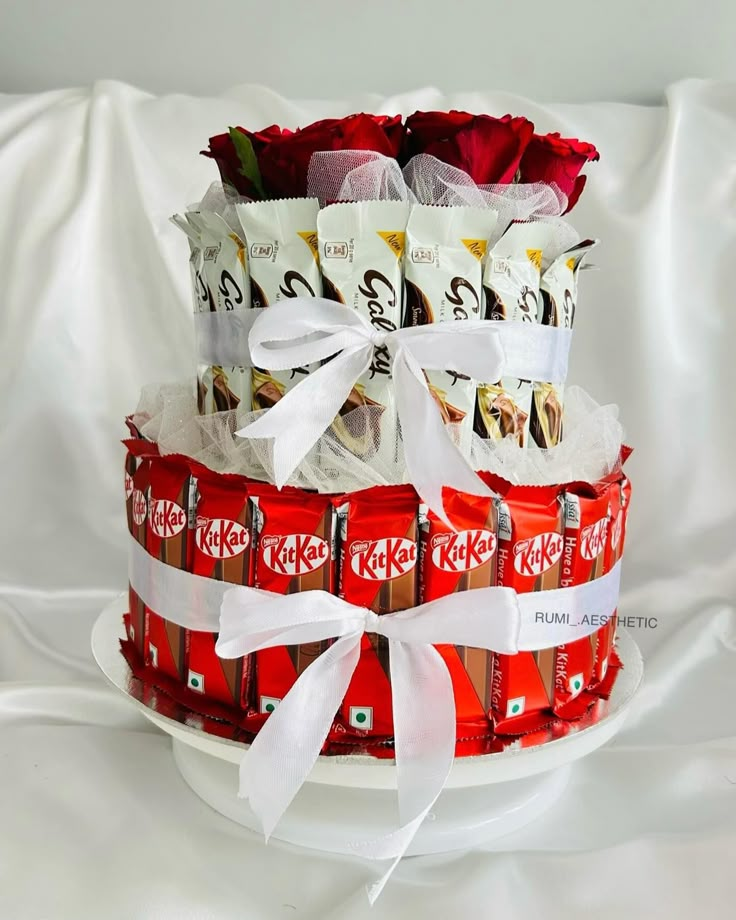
x,y
351,797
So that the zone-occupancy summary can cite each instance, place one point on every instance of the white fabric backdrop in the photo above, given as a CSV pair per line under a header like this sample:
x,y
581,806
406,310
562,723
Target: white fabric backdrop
x,y
95,303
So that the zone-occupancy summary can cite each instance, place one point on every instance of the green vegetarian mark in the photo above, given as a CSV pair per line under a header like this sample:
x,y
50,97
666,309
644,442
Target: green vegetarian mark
x,y
248,161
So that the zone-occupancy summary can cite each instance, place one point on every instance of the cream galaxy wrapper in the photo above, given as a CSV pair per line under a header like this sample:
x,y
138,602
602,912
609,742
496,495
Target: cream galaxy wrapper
x,y
559,292
361,245
281,237
443,271
511,287
220,283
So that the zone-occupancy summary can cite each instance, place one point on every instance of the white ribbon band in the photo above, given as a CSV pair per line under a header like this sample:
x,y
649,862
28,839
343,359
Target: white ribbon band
x,y
222,336
286,748
545,618
304,331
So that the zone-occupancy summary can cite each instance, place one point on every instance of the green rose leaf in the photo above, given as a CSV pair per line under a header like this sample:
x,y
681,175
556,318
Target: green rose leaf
x,y
248,162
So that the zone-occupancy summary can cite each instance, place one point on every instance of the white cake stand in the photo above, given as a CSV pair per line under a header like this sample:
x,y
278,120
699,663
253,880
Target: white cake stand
x,y
350,797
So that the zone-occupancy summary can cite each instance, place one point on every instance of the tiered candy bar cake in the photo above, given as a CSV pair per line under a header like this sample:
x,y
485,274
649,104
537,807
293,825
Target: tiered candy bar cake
x,y
443,217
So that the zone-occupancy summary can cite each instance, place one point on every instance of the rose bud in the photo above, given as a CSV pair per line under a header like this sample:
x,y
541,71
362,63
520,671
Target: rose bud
x,y
488,149
551,159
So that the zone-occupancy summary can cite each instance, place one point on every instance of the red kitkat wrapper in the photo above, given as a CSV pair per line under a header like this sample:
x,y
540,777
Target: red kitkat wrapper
x,y
294,552
222,550
620,496
169,538
583,559
378,570
530,539
137,476
460,560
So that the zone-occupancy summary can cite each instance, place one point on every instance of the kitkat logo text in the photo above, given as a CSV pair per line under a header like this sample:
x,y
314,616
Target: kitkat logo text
x,y
220,538
294,554
593,539
538,554
167,519
382,560
463,551
139,506
128,485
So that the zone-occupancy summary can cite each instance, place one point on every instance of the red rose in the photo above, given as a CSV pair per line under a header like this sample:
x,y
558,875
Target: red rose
x,y
551,158
285,163
224,152
283,156
488,149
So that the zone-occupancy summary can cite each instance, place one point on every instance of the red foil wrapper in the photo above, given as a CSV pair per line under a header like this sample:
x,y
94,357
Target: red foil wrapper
x,y
584,558
294,533
530,542
460,560
137,478
222,550
169,538
378,570
603,672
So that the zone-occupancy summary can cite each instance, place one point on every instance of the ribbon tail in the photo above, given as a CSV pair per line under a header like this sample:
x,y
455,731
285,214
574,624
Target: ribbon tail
x,y
432,458
424,730
298,420
286,748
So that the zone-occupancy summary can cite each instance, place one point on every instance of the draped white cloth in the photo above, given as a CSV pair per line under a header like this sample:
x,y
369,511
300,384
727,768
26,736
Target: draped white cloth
x,y
95,302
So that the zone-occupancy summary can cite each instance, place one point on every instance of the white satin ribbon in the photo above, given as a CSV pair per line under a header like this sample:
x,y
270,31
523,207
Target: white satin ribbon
x,y
286,748
304,331
546,618
222,336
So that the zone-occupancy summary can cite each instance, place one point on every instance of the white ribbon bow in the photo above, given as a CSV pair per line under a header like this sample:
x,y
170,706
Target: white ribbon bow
x,y
303,331
286,748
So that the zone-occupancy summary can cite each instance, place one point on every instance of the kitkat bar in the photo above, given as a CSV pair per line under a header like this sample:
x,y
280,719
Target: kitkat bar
x,y
620,496
378,570
169,538
295,551
530,542
583,559
137,475
460,560
222,550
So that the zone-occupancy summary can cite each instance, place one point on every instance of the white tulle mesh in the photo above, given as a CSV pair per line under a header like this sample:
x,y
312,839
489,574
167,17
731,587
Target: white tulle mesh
x,y
433,182
355,175
168,415
564,236
363,175
221,199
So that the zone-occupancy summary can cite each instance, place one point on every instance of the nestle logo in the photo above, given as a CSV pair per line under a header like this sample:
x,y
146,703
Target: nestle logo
x,y
538,554
382,560
221,538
